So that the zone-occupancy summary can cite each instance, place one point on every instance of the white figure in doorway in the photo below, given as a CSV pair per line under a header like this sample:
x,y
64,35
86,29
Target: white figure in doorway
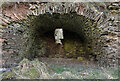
x,y
58,35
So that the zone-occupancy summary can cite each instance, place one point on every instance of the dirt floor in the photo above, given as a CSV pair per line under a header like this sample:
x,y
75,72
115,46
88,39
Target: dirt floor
x,y
69,62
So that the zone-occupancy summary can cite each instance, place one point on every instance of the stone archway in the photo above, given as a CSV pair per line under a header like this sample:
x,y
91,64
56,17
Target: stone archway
x,y
87,34
19,33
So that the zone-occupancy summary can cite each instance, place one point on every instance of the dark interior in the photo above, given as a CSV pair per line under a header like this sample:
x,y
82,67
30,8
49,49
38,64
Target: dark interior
x,y
78,36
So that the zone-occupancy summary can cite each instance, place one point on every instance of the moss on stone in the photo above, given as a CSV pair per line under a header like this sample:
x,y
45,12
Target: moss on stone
x,y
28,70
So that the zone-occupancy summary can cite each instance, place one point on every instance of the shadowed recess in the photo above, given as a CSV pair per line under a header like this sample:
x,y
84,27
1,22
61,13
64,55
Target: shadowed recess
x,y
80,36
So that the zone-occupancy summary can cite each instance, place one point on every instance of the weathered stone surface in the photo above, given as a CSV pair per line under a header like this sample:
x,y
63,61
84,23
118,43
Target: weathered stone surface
x,y
37,70
106,26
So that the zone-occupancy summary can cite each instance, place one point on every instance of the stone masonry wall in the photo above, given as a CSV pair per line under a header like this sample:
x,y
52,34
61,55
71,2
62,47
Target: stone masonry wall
x,y
104,14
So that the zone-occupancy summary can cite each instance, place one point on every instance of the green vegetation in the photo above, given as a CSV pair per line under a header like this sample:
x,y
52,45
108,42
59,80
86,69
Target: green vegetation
x,y
38,70
87,73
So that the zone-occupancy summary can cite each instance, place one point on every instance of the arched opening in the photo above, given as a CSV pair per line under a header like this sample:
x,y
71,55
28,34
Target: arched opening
x,y
80,37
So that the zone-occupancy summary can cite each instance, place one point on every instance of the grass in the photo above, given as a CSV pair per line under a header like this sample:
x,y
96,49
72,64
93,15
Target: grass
x,y
83,73
53,71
